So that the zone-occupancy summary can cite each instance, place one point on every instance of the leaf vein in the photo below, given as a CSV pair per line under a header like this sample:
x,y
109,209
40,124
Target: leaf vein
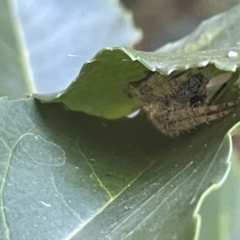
x,y
94,173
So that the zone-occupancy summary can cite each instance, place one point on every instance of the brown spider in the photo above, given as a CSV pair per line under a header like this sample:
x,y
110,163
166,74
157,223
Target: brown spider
x,y
178,102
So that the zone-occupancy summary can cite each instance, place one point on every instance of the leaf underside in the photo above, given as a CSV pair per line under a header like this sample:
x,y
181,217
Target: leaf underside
x,y
101,89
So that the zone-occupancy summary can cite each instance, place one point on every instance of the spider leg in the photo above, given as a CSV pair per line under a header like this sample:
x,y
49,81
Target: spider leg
x,y
193,122
172,123
198,111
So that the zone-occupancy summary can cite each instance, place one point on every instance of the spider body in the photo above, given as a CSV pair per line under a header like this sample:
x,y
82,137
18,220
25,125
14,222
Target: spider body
x,y
177,103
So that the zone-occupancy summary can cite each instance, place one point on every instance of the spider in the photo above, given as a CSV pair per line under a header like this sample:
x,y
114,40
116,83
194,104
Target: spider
x,y
178,102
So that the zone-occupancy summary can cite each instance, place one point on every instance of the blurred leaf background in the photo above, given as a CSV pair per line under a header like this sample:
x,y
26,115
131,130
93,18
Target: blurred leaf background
x,y
166,21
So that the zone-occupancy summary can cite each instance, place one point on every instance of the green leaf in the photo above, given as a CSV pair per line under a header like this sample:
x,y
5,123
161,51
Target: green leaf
x,y
98,90
220,210
101,87
77,176
220,31
14,75
67,175
41,51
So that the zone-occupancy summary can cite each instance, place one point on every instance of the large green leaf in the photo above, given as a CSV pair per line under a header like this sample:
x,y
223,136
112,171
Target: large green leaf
x,y
15,79
222,222
101,87
43,44
69,175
